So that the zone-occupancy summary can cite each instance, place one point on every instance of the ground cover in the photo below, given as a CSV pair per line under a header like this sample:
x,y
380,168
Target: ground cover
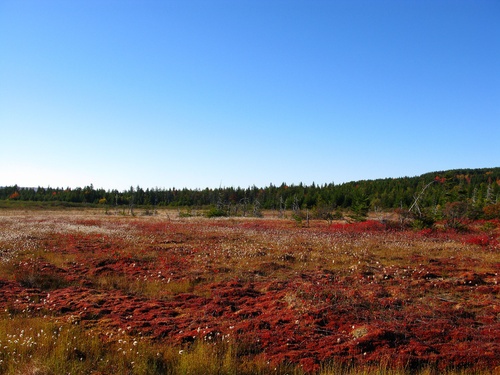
x,y
84,292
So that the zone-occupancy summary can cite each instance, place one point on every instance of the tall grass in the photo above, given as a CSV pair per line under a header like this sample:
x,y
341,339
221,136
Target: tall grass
x,y
150,288
48,347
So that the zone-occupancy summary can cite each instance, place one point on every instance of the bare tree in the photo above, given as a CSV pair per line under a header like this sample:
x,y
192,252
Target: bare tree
x,y
244,206
489,194
295,205
417,197
256,208
282,207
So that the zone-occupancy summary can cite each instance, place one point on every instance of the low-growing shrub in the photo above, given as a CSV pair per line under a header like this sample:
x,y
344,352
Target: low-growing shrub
x,y
215,212
41,280
422,223
492,211
482,240
37,276
459,226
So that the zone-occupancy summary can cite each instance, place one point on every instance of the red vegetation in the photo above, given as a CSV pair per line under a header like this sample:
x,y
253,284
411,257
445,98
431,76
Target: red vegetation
x,y
14,195
440,180
243,279
360,227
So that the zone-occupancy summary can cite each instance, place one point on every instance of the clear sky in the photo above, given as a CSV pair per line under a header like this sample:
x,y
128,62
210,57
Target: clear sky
x,y
209,93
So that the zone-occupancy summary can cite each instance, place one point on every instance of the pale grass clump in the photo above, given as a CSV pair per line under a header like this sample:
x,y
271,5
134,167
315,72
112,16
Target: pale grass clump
x,y
16,236
226,357
42,346
158,288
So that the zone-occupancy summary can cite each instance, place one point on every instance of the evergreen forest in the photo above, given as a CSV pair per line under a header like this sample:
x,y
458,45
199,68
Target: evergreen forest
x,y
475,192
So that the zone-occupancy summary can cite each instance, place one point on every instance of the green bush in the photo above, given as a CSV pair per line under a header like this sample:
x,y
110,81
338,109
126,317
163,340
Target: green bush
x,y
423,222
216,212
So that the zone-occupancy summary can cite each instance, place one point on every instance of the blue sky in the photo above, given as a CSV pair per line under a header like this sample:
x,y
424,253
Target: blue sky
x,y
200,93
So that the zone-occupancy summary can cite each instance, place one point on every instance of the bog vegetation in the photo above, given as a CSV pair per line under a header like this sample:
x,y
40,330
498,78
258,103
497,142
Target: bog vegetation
x,y
83,292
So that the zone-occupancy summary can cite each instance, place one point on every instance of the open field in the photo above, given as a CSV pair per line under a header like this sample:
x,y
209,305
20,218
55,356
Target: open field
x,y
83,292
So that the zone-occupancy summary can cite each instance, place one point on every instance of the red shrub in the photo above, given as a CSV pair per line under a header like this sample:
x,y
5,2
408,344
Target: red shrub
x,y
426,232
482,240
14,195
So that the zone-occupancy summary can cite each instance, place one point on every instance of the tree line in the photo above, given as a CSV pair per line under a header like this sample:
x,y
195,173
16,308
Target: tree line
x,y
477,188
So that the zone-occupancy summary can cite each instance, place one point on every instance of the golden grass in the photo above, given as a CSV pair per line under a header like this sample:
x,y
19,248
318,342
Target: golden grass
x,y
150,288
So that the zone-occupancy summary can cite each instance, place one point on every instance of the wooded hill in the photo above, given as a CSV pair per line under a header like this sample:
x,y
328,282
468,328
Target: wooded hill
x,y
477,188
